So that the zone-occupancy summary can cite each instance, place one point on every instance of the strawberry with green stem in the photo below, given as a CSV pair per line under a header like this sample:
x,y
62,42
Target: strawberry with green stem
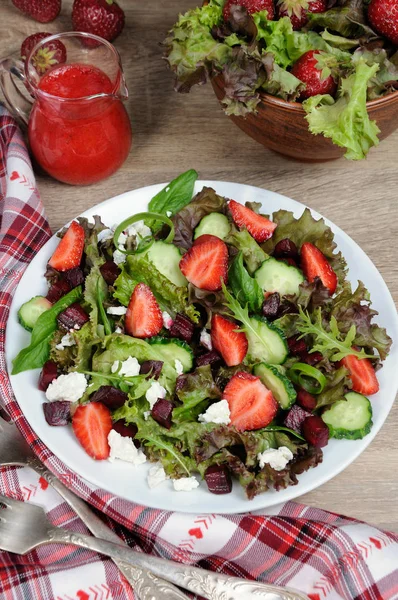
x,y
297,10
316,75
383,16
49,55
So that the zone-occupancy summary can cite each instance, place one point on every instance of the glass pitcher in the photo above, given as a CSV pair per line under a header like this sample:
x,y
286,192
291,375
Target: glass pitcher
x,y
78,128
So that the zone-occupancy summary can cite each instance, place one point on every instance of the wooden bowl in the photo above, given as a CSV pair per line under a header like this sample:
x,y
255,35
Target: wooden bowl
x,y
281,125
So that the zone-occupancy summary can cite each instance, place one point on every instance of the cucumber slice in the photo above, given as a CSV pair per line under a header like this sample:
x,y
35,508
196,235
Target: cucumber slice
x,y
277,276
267,343
213,224
31,311
171,349
350,418
280,386
166,258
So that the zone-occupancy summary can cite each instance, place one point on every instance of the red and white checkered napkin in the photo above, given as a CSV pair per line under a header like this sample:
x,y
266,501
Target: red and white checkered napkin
x,y
327,556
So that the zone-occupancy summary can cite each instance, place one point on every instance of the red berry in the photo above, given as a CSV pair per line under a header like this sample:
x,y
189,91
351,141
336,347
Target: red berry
x,y
383,16
143,317
92,424
315,264
104,18
252,405
259,227
69,252
306,70
206,263
43,11
315,431
297,10
252,6
230,343
362,375
47,56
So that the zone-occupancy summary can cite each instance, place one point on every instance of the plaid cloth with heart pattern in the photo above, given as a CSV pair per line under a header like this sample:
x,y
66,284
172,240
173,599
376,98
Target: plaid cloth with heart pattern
x,y
328,556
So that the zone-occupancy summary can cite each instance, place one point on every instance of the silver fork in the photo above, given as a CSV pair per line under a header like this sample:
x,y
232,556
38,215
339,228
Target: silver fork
x,y
14,451
24,527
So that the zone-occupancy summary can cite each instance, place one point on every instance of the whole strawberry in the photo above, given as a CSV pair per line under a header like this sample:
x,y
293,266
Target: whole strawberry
x,y
306,70
47,56
104,18
252,6
43,11
383,16
297,10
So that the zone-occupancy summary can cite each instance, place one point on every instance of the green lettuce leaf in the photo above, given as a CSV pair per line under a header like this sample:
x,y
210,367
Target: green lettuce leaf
x,y
78,356
386,77
253,254
195,390
338,41
243,75
138,268
245,288
348,19
338,384
346,120
280,82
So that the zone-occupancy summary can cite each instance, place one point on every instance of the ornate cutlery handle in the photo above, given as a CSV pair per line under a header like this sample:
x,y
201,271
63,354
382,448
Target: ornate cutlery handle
x,y
146,585
212,586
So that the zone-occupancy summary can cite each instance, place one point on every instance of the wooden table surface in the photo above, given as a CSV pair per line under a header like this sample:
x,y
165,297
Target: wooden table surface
x,y
175,132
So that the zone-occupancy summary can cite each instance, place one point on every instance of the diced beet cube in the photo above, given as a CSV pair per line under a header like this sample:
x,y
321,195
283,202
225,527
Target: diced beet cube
x,y
296,417
74,277
57,413
311,358
57,290
286,249
48,373
153,368
126,430
290,261
297,346
218,479
110,272
210,358
162,412
315,431
110,396
306,400
71,316
271,306
182,328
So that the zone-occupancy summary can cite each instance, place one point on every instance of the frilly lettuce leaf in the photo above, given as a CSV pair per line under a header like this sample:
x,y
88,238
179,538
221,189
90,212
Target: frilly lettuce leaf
x,y
338,41
348,19
280,82
194,392
253,254
138,268
386,77
338,384
346,120
243,75
78,356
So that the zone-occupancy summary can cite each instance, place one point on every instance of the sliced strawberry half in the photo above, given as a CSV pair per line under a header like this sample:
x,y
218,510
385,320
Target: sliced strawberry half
x,y
252,405
70,249
362,375
91,424
315,264
144,317
259,227
206,263
231,344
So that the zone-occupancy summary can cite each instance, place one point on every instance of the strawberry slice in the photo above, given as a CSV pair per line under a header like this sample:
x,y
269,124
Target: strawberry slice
x,y
91,424
143,317
231,344
315,264
252,405
69,252
259,227
206,263
362,375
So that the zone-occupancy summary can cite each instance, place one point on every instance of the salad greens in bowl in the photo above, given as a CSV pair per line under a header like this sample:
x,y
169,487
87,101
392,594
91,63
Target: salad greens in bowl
x,y
289,70
206,337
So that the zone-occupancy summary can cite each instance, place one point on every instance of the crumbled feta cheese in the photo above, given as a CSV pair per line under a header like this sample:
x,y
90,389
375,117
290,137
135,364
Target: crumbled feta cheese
x,y
205,339
118,330
155,392
185,484
66,341
276,458
124,449
118,257
156,475
69,387
178,367
146,414
129,367
105,234
217,413
116,310
122,239
139,229
76,326
168,213
167,320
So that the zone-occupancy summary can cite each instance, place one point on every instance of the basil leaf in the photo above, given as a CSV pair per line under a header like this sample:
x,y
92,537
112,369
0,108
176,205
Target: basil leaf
x,y
177,194
36,354
245,289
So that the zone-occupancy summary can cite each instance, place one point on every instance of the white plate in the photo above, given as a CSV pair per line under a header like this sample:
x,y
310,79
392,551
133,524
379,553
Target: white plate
x,y
129,482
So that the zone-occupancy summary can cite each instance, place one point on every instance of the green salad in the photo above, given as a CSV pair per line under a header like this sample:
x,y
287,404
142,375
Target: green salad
x,y
333,60
206,337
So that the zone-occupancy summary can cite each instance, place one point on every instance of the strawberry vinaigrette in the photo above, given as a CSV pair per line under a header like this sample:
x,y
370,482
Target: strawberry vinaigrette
x,y
74,137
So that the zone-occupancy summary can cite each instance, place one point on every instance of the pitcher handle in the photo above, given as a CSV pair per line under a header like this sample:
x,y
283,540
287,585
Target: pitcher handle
x,y
17,103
